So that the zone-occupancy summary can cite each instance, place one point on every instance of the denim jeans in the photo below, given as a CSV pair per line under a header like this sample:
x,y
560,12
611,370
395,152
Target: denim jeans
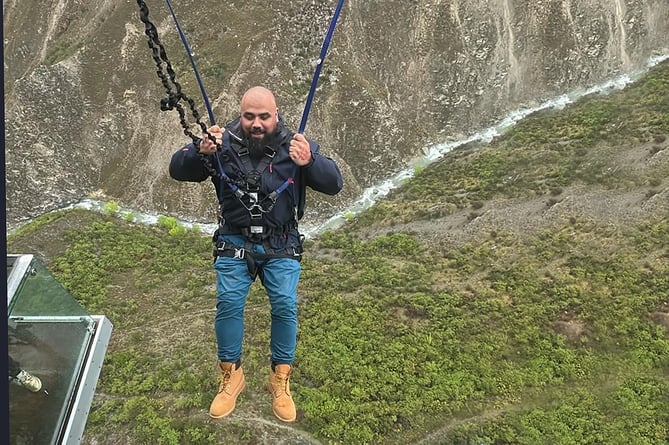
x,y
280,278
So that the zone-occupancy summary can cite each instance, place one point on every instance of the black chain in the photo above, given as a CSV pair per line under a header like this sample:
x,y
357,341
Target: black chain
x,y
172,86
168,77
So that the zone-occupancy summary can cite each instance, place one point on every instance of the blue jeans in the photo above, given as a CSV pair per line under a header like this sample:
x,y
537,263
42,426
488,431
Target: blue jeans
x,y
280,278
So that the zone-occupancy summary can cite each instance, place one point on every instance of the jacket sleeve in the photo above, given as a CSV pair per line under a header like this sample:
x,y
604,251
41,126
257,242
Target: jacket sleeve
x,y
188,165
322,173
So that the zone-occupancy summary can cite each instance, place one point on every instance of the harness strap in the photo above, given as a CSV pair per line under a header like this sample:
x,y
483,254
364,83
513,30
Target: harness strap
x,y
247,232
229,250
253,184
245,157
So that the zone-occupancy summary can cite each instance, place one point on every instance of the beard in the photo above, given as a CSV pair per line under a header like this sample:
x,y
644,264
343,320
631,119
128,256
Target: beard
x,y
257,146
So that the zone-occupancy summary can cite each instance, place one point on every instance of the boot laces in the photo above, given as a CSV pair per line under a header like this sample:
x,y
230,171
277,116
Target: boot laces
x,y
282,383
225,380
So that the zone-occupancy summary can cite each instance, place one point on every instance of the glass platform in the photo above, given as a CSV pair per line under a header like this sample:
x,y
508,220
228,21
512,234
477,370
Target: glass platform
x,y
56,350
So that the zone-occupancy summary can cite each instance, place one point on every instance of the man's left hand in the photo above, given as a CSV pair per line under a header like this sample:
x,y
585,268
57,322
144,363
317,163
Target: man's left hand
x,y
299,150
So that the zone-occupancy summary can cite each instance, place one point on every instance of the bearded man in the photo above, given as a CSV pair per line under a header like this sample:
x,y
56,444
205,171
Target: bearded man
x,y
260,171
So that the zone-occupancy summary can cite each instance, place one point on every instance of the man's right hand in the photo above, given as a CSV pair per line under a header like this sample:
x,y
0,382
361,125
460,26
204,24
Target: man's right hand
x,y
207,146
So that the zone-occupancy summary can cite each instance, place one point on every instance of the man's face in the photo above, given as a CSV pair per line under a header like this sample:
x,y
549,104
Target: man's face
x,y
259,128
259,119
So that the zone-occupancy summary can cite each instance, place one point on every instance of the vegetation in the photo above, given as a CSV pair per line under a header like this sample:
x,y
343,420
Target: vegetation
x,y
584,144
61,50
515,337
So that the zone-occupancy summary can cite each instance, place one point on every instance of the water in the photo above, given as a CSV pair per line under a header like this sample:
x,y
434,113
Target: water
x,y
430,154
137,217
434,152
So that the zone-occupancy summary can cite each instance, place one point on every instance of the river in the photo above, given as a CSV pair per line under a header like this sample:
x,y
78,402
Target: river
x,y
429,155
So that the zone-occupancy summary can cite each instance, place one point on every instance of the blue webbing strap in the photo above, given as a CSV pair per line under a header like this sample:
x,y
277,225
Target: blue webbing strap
x,y
212,121
312,91
319,65
314,84
192,62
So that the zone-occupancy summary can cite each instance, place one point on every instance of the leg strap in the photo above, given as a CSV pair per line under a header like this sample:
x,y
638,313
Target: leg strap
x,y
229,250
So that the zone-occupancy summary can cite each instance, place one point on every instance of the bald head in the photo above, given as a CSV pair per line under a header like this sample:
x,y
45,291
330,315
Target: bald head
x,y
258,97
259,112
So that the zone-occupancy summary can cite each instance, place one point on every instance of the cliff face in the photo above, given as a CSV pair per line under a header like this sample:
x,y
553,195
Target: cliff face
x,y
82,97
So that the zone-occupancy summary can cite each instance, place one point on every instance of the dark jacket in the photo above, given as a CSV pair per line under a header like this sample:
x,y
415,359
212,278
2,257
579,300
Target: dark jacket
x,y
321,174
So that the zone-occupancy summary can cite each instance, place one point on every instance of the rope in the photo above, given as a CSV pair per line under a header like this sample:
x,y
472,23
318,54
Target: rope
x,y
319,65
212,121
310,96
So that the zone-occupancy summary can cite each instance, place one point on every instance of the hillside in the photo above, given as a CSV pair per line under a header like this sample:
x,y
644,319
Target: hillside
x,y
511,293
82,96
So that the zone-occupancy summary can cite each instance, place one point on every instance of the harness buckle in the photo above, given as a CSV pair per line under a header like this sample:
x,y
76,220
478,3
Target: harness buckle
x,y
240,253
255,211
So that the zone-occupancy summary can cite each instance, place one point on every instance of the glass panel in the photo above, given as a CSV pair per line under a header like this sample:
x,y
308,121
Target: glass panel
x,y
53,350
40,294
51,340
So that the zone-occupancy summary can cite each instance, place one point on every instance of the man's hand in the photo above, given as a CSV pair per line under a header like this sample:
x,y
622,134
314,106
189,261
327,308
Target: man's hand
x,y
299,151
207,146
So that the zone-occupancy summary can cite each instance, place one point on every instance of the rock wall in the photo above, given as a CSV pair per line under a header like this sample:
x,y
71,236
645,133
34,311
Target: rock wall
x,y
82,98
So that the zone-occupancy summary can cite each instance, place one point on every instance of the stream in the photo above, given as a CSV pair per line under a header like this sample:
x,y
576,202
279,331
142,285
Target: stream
x,y
430,154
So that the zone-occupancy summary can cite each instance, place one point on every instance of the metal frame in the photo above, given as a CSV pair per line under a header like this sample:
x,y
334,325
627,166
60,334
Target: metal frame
x,y
15,277
73,422
83,397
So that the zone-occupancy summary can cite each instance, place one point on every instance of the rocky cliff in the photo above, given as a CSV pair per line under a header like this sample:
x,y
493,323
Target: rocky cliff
x,y
82,97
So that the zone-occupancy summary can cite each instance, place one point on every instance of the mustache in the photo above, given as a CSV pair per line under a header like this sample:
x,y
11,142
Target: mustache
x,y
257,131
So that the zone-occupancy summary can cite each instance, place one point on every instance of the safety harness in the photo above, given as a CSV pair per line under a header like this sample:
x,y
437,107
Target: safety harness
x,y
250,196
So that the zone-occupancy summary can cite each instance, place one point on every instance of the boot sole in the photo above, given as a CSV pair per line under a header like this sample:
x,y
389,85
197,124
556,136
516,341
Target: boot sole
x,y
285,420
233,405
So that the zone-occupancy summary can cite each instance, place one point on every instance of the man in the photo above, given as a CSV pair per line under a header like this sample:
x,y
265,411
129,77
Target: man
x,y
260,174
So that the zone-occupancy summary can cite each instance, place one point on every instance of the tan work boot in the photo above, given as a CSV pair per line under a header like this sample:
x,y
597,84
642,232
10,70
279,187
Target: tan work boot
x,y
232,384
279,386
